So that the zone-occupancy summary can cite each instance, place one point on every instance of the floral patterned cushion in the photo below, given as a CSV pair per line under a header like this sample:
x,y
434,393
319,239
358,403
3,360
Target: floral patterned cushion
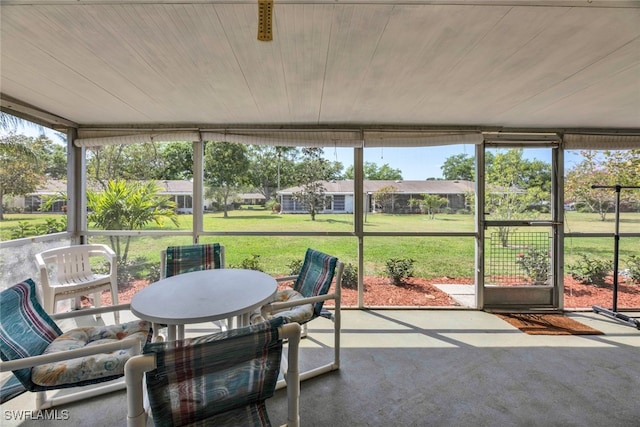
x,y
299,314
91,367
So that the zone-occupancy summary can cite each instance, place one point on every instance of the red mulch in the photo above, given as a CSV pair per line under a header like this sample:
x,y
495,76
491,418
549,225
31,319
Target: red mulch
x,y
418,292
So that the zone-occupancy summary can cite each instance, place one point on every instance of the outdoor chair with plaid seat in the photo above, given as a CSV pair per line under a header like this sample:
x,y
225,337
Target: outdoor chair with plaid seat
x,y
304,302
42,358
184,259
218,379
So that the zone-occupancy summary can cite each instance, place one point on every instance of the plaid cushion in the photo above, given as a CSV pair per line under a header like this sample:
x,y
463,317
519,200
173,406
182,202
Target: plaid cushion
x,y
315,276
10,388
25,328
223,378
184,259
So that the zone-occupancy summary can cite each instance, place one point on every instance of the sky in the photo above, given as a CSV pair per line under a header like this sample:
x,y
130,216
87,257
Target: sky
x,y
421,163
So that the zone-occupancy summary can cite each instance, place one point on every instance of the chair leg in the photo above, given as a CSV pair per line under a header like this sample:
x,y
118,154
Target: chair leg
x,y
114,299
97,302
49,301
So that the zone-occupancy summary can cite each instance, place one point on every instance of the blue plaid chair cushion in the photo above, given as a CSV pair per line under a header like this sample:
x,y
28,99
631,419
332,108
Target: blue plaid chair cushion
x,y
315,276
25,328
10,388
223,378
184,259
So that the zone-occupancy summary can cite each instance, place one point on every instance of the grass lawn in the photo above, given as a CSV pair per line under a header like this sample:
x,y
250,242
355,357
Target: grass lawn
x,y
434,256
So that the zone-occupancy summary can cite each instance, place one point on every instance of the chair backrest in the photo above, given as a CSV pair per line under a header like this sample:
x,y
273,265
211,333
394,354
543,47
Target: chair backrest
x,y
183,259
25,328
223,378
315,276
73,262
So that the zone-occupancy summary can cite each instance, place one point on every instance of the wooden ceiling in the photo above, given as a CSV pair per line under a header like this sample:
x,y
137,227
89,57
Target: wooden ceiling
x,y
377,63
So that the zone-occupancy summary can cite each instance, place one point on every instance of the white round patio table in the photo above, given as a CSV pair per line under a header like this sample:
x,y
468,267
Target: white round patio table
x,y
203,296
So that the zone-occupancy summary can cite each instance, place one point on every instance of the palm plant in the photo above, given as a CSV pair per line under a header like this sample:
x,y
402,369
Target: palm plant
x,y
128,206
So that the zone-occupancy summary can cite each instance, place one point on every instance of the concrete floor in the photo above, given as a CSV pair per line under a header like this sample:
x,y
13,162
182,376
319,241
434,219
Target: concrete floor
x,y
439,368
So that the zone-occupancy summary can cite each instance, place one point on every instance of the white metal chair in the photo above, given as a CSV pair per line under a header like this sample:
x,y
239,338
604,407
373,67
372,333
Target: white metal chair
x,y
42,357
67,273
304,302
218,379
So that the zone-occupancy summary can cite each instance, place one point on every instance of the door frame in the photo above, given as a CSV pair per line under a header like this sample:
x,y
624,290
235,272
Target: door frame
x,y
522,297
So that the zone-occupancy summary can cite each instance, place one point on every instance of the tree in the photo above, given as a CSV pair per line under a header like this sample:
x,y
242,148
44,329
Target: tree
x,y
128,206
373,171
462,166
459,166
430,203
606,168
383,197
225,169
515,184
271,167
310,173
56,162
131,162
177,161
20,170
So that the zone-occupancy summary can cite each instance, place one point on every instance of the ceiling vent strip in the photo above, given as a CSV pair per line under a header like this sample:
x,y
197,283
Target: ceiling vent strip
x,y
574,141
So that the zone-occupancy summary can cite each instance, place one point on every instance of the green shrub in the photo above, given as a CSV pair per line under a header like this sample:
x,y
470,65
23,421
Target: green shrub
x,y
350,276
24,229
252,263
154,273
590,271
295,266
399,269
633,264
52,225
535,264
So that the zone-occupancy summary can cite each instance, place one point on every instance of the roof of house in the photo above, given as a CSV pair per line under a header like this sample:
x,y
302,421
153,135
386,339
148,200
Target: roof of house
x,y
250,195
51,186
175,186
402,186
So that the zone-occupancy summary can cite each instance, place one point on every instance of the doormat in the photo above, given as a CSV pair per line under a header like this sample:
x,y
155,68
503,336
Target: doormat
x,y
547,324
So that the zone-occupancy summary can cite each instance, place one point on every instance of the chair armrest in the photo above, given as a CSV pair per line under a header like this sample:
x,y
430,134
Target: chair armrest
x,y
134,371
29,362
277,306
90,311
42,267
109,255
286,279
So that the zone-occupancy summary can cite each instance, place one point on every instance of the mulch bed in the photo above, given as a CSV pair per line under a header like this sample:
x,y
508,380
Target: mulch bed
x,y
419,292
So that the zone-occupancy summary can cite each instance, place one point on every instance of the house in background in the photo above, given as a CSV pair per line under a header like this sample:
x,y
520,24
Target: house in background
x,y
32,201
179,191
340,198
252,199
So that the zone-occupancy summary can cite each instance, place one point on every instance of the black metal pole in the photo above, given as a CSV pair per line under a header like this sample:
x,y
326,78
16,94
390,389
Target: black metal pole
x,y
616,248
